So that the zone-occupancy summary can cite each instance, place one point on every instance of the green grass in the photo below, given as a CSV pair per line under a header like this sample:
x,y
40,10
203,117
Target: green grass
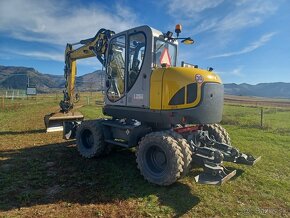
x,y
42,175
275,120
91,112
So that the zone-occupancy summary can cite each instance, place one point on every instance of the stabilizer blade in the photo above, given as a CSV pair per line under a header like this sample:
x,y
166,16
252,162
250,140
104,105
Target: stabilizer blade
x,y
214,174
54,121
247,159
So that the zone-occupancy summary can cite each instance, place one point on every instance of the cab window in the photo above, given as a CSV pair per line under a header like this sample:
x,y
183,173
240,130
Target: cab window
x,y
116,68
164,53
137,46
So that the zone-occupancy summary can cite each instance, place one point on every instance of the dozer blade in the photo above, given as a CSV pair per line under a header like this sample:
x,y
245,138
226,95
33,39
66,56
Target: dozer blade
x,y
54,121
214,174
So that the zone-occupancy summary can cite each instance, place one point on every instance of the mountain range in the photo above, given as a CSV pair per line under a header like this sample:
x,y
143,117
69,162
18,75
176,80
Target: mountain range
x,y
269,90
17,78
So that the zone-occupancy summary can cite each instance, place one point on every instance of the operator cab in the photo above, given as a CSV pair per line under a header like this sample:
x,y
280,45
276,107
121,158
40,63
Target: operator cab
x,y
131,57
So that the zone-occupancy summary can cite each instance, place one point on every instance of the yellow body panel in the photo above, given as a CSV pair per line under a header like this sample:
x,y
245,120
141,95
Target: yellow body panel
x,y
156,88
71,79
166,82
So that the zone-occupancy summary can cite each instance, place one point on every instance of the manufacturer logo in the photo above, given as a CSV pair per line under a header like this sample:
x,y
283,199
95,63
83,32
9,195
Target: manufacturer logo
x,y
198,78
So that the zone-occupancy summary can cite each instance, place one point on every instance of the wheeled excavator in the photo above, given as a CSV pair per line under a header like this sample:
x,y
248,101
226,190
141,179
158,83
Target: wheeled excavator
x,y
169,113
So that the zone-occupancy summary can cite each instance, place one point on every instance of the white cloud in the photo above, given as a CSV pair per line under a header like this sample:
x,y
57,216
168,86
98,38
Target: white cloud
x,y
234,72
223,22
206,25
253,46
56,23
249,14
189,8
242,14
59,22
41,55
54,56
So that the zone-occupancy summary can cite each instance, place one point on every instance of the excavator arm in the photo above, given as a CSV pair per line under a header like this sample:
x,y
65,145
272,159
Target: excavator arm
x,y
96,46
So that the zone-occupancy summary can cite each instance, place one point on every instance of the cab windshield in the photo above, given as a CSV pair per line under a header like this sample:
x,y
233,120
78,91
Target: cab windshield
x,y
164,53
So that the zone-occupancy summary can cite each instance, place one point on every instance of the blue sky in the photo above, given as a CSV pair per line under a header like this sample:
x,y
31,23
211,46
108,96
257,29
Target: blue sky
x,y
245,41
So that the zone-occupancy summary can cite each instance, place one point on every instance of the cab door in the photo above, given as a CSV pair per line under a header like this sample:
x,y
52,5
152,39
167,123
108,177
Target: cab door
x,y
116,71
139,67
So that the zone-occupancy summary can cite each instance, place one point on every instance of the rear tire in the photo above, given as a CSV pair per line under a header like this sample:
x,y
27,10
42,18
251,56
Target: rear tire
x,y
220,134
90,139
159,158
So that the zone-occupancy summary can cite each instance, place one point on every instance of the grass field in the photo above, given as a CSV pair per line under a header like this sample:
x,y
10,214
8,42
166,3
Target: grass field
x,y
42,175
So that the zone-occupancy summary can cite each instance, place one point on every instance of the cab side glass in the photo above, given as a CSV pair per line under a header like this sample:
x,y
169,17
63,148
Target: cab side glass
x,y
116,68
137,46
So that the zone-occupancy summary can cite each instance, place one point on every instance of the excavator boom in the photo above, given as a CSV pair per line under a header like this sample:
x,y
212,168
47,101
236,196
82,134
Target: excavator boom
x,y
96,46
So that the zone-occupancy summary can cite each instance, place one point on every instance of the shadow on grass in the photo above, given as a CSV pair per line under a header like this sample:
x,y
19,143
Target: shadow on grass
x,y
239,172
56,173
22,132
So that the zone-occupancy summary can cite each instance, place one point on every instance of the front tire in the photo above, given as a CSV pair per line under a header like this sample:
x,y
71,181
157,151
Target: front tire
x,y
159,158
90,139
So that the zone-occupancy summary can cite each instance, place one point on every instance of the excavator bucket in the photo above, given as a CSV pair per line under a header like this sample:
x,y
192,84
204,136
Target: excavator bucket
x,y
55,121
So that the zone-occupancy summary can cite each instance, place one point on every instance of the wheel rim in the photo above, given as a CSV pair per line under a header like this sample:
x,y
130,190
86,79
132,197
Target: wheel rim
x,y
87,139
156,159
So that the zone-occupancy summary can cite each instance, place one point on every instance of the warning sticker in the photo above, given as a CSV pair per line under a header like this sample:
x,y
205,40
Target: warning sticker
x,y
165,58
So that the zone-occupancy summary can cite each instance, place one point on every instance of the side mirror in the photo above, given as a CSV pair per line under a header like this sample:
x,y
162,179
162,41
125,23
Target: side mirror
x,y
187,41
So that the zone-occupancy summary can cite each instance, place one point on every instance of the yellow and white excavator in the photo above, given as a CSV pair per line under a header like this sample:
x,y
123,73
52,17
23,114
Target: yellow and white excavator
x,y
168,113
